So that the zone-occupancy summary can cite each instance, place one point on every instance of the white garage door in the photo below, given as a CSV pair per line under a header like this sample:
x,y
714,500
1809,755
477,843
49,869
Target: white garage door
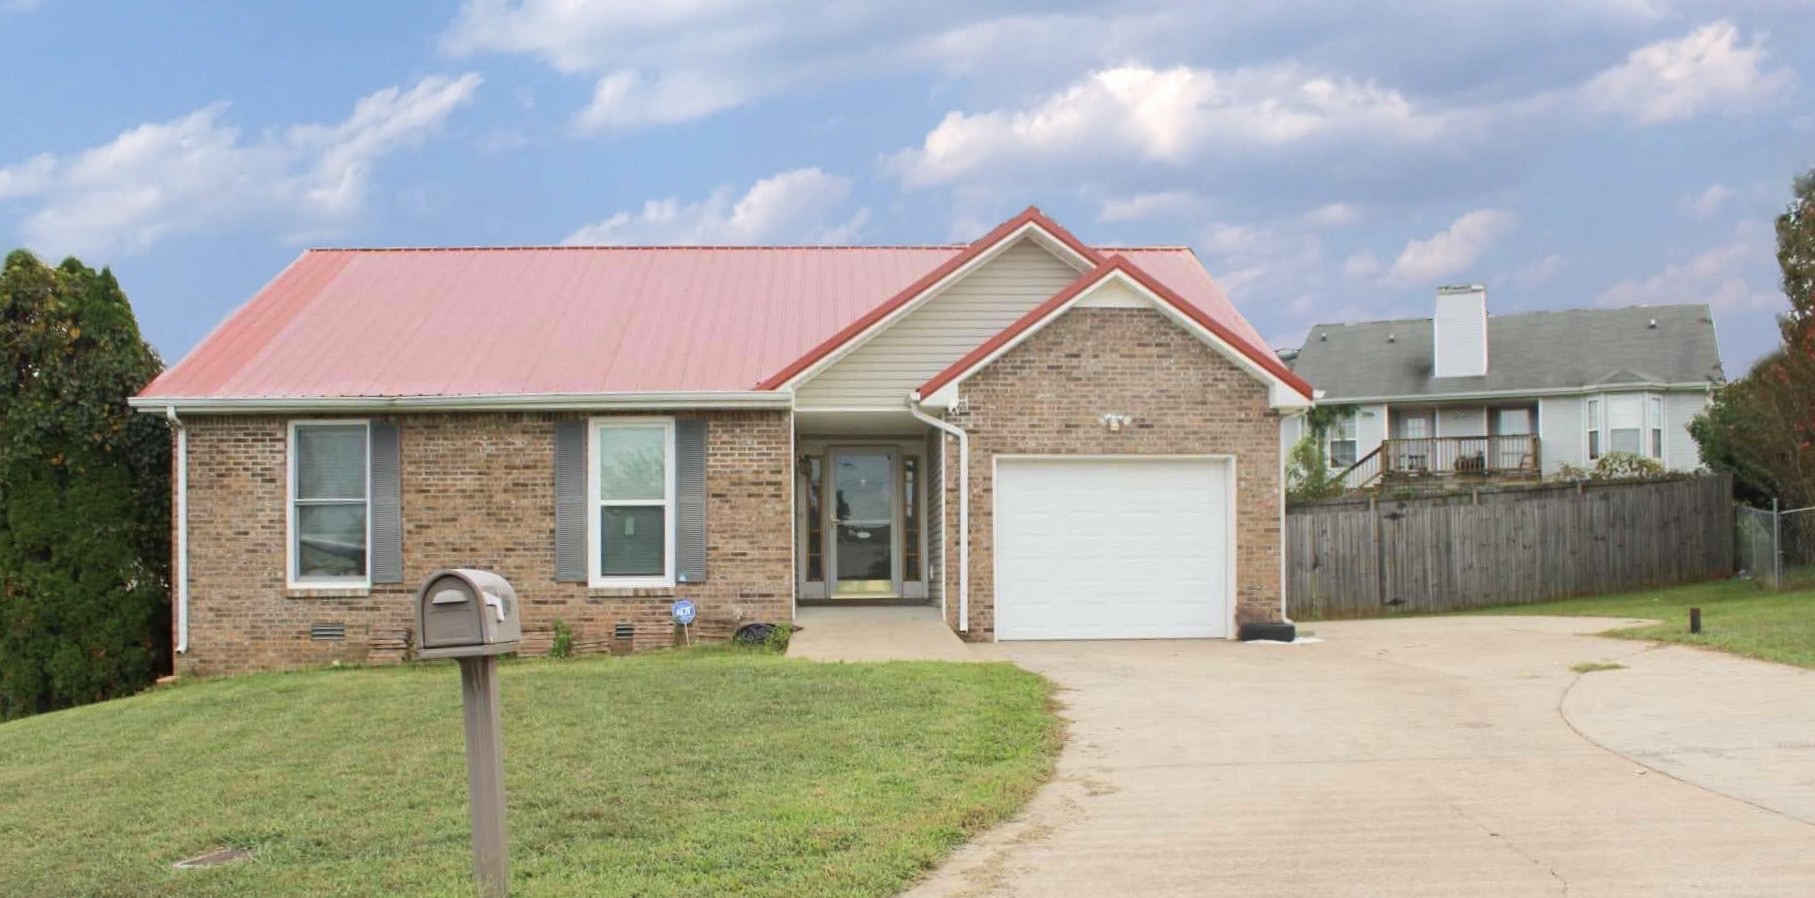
x,y
1127,548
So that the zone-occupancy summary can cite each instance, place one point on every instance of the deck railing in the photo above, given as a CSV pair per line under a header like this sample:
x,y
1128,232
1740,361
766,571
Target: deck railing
x,y
1503,455
1363,472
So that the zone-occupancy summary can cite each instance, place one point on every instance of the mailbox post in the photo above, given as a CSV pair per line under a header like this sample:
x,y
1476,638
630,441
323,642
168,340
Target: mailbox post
x,y
471,616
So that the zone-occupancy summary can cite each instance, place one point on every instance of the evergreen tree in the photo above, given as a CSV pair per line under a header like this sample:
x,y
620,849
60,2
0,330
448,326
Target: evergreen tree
x,y
84,493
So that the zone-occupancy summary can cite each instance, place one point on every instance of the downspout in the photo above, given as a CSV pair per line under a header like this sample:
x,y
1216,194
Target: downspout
x,y
1284,467
964,509
182,530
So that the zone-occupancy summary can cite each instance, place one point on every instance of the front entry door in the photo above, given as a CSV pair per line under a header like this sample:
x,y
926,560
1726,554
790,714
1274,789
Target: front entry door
x,y
863,493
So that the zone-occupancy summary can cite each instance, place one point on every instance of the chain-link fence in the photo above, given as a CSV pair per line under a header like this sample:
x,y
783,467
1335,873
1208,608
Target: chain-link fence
x,y
1776,546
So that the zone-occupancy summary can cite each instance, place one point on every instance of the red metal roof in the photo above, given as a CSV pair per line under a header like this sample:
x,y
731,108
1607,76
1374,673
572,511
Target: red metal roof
x,y
578,320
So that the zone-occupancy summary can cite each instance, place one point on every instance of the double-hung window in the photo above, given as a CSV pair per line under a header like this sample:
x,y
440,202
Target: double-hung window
x,y
1594,429
632,487
1626,424
1342,439
330,504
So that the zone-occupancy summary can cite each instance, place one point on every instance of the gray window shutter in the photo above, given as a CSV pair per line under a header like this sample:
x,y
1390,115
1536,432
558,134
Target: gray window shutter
x,y
387,503
690,501
570,501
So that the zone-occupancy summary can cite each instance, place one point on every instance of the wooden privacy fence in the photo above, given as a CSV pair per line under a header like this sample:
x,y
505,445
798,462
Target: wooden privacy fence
x,y
1369,557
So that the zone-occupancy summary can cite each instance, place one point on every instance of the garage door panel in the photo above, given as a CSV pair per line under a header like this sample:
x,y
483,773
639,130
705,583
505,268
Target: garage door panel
x,y
1111,549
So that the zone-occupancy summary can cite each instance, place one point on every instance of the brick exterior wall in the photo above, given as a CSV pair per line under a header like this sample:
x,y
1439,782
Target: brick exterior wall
x,y
478,491
1045,396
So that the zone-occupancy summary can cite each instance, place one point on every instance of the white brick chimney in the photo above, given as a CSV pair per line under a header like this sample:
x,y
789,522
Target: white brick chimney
x,y
1459,331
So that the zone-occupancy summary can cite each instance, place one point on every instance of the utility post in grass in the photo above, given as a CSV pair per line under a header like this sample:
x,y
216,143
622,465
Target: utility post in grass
x,y
471,616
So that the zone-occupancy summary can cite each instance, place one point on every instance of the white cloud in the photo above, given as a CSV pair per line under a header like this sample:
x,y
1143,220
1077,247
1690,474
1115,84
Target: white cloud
x,y
627,99
1540,272
1223,238
793,206
1167,116
1716,276
1333,215
672,61
1672,80
196,173
1260,257
1362,264
500,140
1707,203
1451,250
1145,206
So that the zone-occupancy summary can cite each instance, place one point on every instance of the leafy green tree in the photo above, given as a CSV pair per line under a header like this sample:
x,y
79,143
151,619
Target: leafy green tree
x,y
84,492
1761,427
1308,473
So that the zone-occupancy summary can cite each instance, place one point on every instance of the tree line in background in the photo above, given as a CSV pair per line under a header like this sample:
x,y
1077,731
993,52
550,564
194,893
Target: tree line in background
x,y
84,493
1761,427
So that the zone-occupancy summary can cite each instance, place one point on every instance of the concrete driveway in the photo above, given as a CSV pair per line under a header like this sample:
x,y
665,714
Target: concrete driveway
x,y
1435,756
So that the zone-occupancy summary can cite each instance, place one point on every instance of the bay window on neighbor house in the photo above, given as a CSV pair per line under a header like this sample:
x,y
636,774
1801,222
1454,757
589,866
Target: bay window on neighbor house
x,y
1342,439
330,504
1631,422
631,497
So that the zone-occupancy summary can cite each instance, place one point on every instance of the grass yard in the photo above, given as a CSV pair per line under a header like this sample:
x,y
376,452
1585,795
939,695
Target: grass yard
x,y
1737,616
689,773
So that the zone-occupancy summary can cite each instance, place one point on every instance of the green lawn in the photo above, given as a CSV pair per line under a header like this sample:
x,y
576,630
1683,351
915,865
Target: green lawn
x,y
689,773
1737,616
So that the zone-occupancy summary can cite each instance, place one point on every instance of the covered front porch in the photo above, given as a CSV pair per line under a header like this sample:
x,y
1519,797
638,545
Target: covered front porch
x,y
866,509
1448,440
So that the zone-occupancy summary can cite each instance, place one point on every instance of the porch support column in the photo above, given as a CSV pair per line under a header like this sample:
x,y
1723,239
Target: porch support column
x,y
964,510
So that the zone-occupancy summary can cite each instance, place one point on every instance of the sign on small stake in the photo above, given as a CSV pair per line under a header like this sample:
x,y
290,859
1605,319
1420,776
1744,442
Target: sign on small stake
x,y
684,613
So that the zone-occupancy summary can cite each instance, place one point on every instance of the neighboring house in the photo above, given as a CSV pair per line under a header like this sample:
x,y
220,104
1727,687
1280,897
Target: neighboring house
x,y
1042,438
1508,396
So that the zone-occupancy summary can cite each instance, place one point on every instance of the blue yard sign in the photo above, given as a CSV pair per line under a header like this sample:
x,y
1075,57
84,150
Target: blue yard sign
x,y
684,612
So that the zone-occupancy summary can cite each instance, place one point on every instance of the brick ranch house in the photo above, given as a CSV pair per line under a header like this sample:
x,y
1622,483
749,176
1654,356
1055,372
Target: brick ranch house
x,y
1042,438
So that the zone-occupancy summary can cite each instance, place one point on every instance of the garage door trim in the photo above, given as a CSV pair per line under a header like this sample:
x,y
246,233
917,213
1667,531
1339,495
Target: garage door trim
x,y
1229,510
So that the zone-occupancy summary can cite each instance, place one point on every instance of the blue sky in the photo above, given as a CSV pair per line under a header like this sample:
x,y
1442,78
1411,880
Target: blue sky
x,y
1327,163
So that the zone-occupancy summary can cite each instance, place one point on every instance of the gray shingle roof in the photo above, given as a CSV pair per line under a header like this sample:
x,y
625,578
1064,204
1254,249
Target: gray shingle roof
x,y
1525,351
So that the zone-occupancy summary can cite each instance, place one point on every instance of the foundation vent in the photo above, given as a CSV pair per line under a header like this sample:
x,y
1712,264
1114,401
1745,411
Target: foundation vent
x,y
624,631
328,632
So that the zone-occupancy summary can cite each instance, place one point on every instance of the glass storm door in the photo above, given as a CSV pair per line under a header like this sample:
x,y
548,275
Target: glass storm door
x,y
863,494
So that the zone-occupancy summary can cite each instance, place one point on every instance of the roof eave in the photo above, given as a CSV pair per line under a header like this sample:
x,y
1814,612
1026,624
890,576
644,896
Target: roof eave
x,y
252,405
1515,394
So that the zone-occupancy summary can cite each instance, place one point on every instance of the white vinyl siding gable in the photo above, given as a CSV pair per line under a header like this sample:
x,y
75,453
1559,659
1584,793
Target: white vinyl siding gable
x,y
1561,438
881,372
1680,451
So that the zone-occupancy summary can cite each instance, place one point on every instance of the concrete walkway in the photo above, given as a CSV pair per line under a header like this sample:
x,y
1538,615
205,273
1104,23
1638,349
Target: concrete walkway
x,y
890,633
1415,757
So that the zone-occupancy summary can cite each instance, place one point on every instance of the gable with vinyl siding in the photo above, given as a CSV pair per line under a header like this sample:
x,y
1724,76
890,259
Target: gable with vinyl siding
x,y
881,372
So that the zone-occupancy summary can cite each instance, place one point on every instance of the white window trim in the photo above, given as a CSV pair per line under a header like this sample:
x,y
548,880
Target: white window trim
x,y
594,576
1353,418
1594,439
1653,412
291,580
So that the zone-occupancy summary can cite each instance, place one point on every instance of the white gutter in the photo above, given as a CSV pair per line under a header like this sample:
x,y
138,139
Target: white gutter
x,y
964,510
1519,394
777,399
182,530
